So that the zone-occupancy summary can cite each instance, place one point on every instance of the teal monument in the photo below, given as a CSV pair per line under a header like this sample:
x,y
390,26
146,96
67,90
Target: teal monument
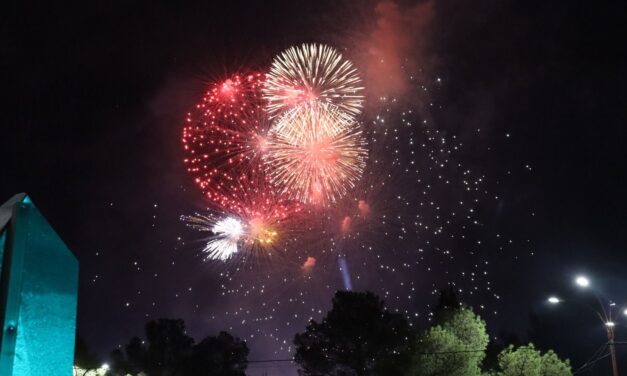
x,y
38,294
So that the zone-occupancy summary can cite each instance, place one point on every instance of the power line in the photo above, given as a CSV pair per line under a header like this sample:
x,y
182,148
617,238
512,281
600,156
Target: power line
x,y
591,365
421,353
596,356
270,360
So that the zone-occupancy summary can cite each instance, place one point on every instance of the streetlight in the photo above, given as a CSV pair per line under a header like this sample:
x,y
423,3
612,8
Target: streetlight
x,y
582,281
604,312
103,370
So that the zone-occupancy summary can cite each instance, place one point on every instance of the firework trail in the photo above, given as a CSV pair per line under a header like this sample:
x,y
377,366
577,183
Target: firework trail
x,y
309,75
346,277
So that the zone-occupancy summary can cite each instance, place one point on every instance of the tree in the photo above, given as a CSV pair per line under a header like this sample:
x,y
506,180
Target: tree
x,y
223,355
83,357
169,351
467,326
527,361
168,346
456,346
447,300
440,352
358,336
163,353
136,356
495,347
552,365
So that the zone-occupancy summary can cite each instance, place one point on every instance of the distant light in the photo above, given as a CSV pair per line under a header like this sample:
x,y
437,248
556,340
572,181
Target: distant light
x,y
582,281
625,312
554,300
609,324
105,367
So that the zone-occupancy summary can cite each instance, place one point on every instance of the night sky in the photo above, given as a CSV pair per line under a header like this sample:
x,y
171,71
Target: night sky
x,y
497,162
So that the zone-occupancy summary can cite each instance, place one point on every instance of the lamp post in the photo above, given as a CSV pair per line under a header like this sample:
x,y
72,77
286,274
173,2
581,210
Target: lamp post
x,y
605,315
583,282
610,338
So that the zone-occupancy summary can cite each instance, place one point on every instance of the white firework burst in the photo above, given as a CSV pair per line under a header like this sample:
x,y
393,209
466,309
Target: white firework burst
x,y
226,233
309,75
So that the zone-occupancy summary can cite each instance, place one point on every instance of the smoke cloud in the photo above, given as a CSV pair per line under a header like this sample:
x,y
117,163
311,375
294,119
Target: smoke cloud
x,y
309,264
395,49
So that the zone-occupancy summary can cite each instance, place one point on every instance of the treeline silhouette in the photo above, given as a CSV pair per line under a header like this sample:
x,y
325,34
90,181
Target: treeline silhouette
x,y
357,337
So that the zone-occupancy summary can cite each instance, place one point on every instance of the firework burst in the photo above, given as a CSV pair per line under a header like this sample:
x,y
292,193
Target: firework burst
x,y
314,158
261,147
231,235
223,140
309,75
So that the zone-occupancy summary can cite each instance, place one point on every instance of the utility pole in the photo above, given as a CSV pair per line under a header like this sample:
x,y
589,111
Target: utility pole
x,y
605,315
610,337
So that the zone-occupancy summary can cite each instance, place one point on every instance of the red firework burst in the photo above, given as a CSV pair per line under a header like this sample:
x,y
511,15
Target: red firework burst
x,y
223,140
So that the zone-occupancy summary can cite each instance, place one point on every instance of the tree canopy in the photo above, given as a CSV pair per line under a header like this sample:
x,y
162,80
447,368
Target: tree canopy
x,y
222,355
456,346
169,351
358,337
83,357
526,360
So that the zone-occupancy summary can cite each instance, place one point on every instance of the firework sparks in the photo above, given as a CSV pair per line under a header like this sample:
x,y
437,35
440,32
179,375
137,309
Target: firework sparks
x,y
226,233
403,207
313,158
223,140
326,120
230,234
312,74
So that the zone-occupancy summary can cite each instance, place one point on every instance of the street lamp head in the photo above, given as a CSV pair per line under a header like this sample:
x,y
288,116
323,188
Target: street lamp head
x,y
582,281
610,324
625,312
553,300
